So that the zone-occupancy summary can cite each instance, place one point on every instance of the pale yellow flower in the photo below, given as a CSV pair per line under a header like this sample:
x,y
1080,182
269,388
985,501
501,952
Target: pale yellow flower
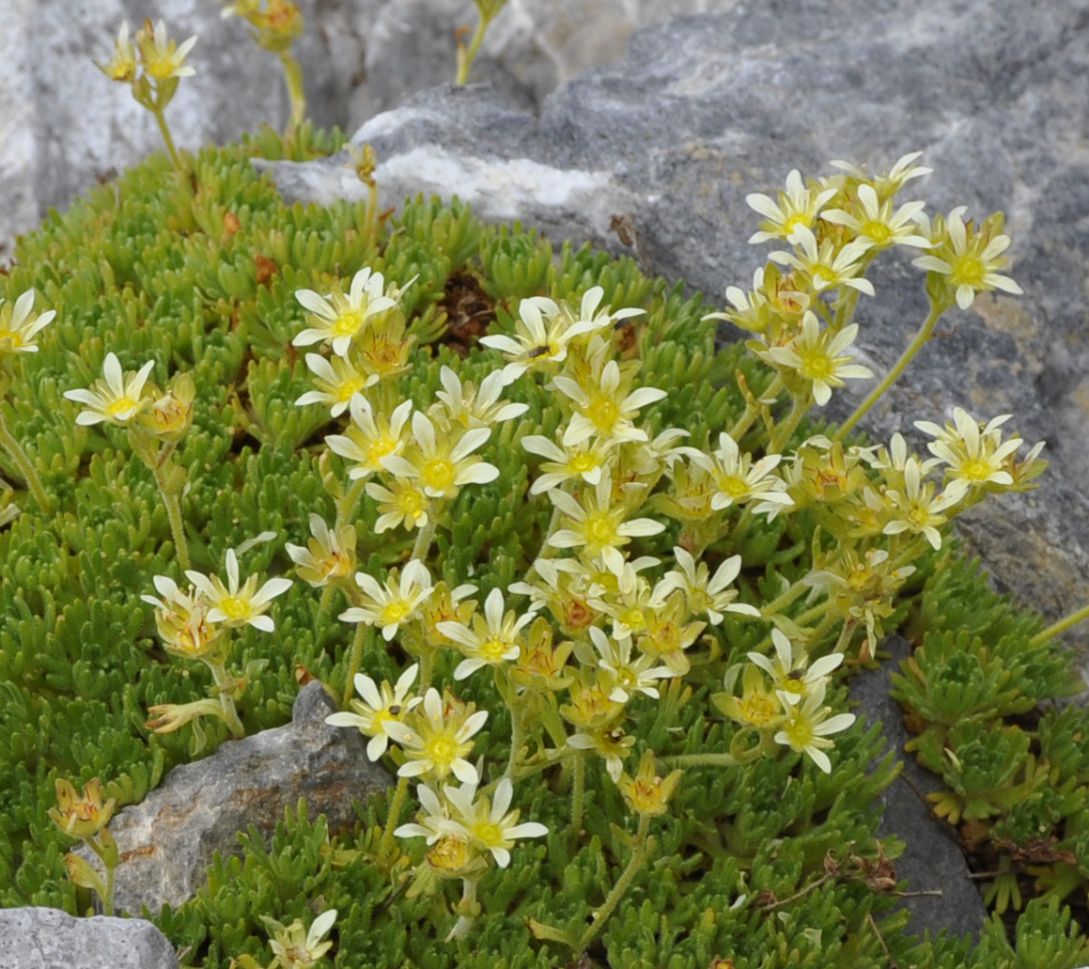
x,y
891,182
336,380
818,357
493,639
975,456
339,318
440,739
235,605
328,555
297,948
797,206
116,398
403,503
19,327
492,827
122,65
398,602
442,465
468,406
371,438
792,675
162,57
970,258
704,592
541,335
378,707
877,223
807,727
823,264
738,480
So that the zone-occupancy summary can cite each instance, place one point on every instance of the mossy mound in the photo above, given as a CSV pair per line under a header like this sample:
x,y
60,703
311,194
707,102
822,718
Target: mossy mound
x,y
200,277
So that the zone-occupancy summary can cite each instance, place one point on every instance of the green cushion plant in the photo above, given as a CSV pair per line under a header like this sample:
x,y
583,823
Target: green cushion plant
x,y
628,742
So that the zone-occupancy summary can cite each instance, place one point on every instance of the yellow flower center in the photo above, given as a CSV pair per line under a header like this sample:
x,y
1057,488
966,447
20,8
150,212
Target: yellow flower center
x,y
734,486
919,517
349,387
393,612
449,854
976,469
600,529
488,833
603,413
493,648
759,709
646,795
385,356
348,323
119,406
876,230
411,503
799,732
438,474
235,607
633,618
968,270
580,463
442,749
379,448
10,337
797,219
815,363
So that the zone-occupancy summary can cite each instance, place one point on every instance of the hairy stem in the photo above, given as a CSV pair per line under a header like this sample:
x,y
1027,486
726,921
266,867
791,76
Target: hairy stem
x,y
395,807
355,659
23,463
926,331
1056,628
295,92
172,504
638,856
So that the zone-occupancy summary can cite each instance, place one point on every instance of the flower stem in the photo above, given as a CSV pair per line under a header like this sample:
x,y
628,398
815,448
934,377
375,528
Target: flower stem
x,y
515,737
424,537
578,792
164,130
782,432
913,348
1060,627
638,856
224,684
466,55
295,92
395,807
22,462
172,503
355,658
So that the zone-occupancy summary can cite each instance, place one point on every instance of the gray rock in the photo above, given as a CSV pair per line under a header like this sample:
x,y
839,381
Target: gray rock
x,y
45,938
64,126
167,842
932,860
706,109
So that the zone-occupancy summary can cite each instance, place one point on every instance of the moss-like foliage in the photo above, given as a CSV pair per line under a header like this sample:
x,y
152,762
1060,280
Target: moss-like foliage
x,y
770,863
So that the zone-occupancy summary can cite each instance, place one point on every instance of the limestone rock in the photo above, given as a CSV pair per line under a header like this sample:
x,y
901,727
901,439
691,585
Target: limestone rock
x,y
932,860
46,938
706,109
66,127
167,841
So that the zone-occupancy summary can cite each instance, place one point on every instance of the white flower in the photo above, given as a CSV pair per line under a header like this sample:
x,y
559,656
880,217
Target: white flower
x,y
494,828
797,206
975,456
889,184
916,508
371,438
818,356
542,333
379,707
163,58
441,740
328,555
585,460
604,407
479,407
433,822
791,672
340,318
823,265
713,594
490,642
398,602
442,465
403,503
808,726
18,326
337,382
624,675
115,398
970,261
738,480
878,224
236,606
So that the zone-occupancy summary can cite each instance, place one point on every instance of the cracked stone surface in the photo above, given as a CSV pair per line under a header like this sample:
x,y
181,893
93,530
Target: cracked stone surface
x,y
64,127
46,938
167,842
932,860
706,109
